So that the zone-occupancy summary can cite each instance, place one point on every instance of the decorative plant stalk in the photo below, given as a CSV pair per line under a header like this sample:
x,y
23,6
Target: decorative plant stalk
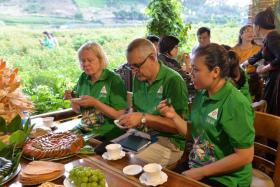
x,y
12,101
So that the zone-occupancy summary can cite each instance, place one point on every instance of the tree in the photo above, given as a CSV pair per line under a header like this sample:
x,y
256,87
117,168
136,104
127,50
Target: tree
x,y
166,19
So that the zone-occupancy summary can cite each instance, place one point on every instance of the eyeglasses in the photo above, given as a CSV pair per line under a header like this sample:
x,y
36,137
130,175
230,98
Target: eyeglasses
x,y
138,66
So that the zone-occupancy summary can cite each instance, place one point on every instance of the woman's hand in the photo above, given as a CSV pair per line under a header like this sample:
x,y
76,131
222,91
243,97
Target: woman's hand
x,y
194,173
166,109
244,64
131,120
263,69
86,101
186,63
75,107
68,94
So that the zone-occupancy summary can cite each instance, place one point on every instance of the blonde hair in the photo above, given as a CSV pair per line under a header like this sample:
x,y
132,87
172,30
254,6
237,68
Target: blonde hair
x,y
97,50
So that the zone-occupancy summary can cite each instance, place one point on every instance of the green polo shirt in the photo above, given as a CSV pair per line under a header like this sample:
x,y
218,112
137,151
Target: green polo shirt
x,y
168,84
221,123
245,88
110,90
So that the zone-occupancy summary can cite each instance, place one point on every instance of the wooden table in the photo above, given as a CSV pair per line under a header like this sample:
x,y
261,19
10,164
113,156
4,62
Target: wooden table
x,y
112,170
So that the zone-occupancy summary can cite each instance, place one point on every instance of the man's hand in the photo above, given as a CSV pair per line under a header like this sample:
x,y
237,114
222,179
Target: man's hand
x,y
131,120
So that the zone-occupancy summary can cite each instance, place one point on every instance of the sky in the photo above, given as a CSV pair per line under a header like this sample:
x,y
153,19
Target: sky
x,y
238,2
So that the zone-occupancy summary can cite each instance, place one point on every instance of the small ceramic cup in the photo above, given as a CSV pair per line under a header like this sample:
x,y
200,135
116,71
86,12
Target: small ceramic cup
x,y
153,172
114,150
48,121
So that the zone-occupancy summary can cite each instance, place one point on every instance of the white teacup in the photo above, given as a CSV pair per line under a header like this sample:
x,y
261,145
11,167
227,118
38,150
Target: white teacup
x,y
114,150
48,121
153,172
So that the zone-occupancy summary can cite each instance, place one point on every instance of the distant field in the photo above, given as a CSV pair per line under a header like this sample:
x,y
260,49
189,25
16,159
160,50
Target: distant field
x,y
36,20
90,3
47,72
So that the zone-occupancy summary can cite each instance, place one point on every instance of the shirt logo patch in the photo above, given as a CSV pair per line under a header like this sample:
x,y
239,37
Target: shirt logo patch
x,y
103,91
214,114
160,90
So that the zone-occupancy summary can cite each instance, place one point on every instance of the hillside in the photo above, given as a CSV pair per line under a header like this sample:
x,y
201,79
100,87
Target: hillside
x,y
59,13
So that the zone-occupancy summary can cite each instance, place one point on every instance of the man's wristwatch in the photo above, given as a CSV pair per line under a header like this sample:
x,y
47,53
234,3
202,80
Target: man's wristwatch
x,y
143,119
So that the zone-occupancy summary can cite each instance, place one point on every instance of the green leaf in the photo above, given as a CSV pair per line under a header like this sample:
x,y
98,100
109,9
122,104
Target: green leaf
x,y
25,128
16,124
16,160
3,126
17,137
7,151
2,145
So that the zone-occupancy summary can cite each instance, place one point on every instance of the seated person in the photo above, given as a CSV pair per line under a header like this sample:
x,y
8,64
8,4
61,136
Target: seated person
x,y
102,93
155,40
238,76
154,82
221,124
168,48
246,48
125,71
203,37
47,41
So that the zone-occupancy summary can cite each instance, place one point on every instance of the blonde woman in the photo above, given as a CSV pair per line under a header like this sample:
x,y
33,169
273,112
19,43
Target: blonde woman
x,y
101,93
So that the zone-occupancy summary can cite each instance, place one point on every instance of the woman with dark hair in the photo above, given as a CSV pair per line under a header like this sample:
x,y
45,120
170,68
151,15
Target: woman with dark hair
x,y
246,48
237,75
264,26
168,51
221,124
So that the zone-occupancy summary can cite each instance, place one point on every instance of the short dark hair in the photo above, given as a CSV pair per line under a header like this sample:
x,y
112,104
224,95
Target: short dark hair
x,y
202,30
153,38
265,19
167,43
217,56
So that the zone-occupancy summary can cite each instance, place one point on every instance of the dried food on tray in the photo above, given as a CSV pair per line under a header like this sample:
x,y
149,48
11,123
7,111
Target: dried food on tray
x,y
54,145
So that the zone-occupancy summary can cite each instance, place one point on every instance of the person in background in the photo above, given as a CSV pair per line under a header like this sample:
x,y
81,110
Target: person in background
x,y
47,40
154,82
168,52
101,93
155,40
246,48
237,75
203,37
221,124
54,40
264,26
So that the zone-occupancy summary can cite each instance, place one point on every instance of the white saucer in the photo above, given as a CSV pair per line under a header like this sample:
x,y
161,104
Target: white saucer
x,y
106,156
143,179
116,121
132,169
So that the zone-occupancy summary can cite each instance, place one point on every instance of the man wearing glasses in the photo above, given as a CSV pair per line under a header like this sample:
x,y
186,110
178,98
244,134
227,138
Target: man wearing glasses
x,y
154,82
